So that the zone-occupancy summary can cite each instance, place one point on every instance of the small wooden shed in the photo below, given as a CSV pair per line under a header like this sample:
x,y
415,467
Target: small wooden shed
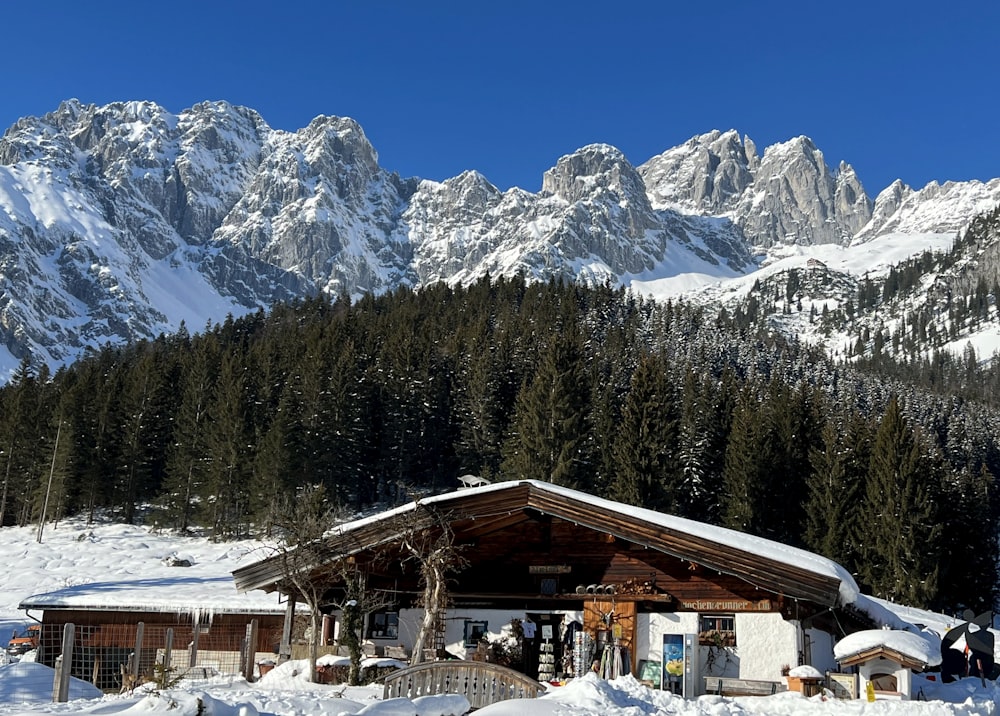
x,y
886,659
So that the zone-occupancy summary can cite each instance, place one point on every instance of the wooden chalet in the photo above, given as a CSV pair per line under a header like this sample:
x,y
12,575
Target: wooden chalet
x,y
554,557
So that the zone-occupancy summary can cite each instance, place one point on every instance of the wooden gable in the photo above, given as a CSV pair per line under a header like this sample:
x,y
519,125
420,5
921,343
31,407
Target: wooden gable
x,y
883,652
523,540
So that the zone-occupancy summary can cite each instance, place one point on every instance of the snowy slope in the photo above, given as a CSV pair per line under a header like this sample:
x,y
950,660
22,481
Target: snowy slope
x,y
122,565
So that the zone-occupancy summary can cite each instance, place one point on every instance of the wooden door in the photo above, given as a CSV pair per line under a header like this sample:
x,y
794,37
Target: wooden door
x,y
606,619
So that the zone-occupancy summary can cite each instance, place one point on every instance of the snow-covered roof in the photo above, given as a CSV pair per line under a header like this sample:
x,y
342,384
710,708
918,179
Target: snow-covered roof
x,y
598,512
922,649
182,594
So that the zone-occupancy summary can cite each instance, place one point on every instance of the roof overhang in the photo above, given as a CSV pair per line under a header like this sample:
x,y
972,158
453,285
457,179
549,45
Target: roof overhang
x,y
42,605
479,510
883,652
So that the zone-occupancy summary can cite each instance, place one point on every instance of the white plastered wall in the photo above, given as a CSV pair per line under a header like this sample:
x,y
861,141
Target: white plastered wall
x,y
765,642
904,678
821,650
497,622
650,629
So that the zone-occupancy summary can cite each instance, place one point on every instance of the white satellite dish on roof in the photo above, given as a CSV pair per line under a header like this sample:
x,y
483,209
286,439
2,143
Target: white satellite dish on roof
x,y
472,481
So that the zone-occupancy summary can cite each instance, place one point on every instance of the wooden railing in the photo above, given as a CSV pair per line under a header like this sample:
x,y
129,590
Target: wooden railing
x,y
480,682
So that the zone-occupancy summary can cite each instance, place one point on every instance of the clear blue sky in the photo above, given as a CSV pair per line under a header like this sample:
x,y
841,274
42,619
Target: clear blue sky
x,y
907,90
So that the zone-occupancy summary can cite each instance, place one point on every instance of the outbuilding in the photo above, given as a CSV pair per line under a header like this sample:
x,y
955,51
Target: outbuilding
x,y
208,623
886,660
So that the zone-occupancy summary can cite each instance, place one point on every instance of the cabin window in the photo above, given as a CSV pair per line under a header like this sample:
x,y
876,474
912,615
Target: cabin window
x,y
717,630
383,625
474,632
202,622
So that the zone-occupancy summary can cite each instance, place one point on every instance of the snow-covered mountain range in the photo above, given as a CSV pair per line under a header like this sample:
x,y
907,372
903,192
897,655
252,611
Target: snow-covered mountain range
x,y
120,222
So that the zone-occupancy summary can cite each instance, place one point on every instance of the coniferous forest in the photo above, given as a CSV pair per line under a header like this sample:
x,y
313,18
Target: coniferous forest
x,y
593,388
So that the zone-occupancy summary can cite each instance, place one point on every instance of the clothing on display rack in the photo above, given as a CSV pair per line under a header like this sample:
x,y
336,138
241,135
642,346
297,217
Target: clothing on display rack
x,y
614,661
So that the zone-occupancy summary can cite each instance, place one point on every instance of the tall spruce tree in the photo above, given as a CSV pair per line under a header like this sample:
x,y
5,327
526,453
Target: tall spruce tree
x,y
647,472
968,577
480,412
187,459
746,495
793,416
20,409
707,405
550,438
839,467
224,504
899,531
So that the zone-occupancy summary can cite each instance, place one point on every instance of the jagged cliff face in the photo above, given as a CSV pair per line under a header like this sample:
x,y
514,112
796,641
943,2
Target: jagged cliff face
x,y
788,196
119,222
592,221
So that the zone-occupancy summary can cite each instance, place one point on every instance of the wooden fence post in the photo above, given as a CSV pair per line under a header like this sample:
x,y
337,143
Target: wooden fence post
x,y
285,649
168,649
134,667
250,649
193,656
64,665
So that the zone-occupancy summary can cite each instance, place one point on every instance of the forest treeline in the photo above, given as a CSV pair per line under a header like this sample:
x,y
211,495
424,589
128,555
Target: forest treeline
x,y
594,388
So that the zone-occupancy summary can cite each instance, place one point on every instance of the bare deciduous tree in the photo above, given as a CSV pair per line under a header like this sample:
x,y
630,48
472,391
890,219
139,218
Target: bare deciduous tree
x,y
321,577
432,546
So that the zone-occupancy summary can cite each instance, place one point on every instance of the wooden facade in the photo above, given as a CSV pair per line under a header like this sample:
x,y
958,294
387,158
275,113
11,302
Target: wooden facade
x,y
530,542
104,640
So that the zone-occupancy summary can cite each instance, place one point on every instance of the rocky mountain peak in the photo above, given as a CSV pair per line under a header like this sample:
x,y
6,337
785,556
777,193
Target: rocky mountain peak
x,y
341,139
596,167
469,189
796,199
706,175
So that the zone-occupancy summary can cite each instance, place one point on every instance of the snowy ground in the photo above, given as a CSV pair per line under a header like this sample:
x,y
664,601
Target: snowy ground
x,y
284,692
126,557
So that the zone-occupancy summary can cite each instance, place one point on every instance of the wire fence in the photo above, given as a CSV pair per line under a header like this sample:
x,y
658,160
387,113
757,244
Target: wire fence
x,y
116,657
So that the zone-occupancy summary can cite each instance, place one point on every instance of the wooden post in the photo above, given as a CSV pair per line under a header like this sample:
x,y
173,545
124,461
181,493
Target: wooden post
x,y
285,652
134,666
327,630
168,654
193,656
48,489
64,665
250,649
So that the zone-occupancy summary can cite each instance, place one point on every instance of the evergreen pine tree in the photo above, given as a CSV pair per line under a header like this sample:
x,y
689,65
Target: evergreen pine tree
x,y
745,501
223,502
646,466
839,467
899,531
18,403
968,575
549,435
186,459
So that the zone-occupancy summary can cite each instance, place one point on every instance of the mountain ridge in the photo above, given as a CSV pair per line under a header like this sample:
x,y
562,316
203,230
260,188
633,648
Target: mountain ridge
x,y
120,222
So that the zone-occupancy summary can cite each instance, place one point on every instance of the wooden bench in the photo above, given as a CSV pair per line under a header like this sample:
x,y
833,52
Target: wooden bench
x,y
396,652
480,682
741,687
